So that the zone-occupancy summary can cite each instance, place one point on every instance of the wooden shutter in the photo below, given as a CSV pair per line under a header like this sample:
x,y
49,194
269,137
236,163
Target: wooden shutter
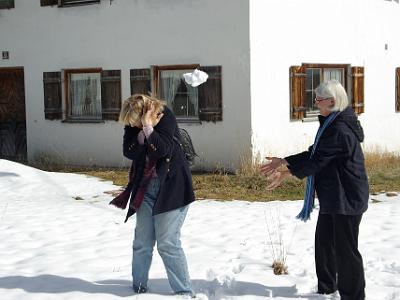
x,y
398,89
52,95
7,4
297,92
357,75
140,81
210,95
48,2
110,94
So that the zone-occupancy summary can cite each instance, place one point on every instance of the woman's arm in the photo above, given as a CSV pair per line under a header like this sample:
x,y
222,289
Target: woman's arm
x,y
331,146
160,141
131,147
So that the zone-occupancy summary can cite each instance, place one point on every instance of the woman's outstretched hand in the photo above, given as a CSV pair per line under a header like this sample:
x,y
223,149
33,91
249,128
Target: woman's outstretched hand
x,y
273,164
150,117
277,178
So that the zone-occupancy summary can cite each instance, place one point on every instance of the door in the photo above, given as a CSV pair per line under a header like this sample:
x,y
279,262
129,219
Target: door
x,y
12,115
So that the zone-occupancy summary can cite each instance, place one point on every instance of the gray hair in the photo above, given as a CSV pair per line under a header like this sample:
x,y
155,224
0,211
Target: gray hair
x,y
333,89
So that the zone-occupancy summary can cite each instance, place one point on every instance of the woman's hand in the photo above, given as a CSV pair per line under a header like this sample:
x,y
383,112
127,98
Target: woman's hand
x,y
277,178
270,167
150,117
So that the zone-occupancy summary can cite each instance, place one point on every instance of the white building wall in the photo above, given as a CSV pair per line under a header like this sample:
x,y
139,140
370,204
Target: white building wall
x,y
129,34
287,33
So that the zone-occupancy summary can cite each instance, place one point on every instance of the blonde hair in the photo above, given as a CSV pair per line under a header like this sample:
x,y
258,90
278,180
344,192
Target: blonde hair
x,y
333,89
132,108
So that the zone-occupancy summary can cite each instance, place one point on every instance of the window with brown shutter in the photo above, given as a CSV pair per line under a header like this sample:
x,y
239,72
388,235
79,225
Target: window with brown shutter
x,y
210,95
140,81
7,4
83,94
52,95
110,94
183,99
397,89
305,78
89,95
189,104
48,2
357,101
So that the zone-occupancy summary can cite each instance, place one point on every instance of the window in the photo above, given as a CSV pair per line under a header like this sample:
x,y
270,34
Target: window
x,y
90,95
182,98
6,4
314,76
305,78
77,2
66,3
83,92
189,104
397,89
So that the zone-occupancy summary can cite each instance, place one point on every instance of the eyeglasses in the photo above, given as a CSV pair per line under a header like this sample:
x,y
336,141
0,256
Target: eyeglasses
x,y
321,99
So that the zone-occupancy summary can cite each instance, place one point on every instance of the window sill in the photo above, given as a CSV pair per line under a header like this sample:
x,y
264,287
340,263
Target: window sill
x,y
310,119
82,121
188,120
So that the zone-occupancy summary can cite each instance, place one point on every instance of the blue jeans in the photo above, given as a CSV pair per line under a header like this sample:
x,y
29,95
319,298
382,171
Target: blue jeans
x,y
164,228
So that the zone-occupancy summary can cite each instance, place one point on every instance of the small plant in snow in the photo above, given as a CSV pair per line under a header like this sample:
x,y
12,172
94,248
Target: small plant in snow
x,y
276,242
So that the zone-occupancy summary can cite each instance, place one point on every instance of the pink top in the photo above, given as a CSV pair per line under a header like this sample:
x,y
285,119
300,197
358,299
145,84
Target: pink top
x,y
145,133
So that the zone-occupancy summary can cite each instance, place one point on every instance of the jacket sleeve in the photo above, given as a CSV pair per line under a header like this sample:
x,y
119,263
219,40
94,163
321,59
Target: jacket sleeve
x,y
131,147
331,146
299,157
160,142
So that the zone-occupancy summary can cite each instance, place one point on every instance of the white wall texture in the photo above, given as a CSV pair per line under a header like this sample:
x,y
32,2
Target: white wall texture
x,y
138,33
292,32
129,34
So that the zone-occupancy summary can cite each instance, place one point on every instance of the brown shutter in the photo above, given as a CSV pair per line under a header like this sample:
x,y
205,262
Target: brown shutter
x,y
398,89
357,75
110,94
210,95
52,95
297,92
140,81
48,2
7,4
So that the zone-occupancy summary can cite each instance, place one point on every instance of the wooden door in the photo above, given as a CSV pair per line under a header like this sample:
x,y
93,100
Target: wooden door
x,y
12,115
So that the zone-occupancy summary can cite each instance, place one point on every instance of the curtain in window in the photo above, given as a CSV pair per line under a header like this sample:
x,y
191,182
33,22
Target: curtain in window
x,y
333,74
85,93
170,81
193,97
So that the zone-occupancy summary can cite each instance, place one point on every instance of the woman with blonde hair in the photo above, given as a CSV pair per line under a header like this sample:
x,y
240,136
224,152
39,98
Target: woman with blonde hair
x,y
159,190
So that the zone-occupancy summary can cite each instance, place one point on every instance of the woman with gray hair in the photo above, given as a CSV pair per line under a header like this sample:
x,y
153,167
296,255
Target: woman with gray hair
x,y
335,170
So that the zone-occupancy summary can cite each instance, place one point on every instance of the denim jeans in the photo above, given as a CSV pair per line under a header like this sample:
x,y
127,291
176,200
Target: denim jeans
x,y
164,228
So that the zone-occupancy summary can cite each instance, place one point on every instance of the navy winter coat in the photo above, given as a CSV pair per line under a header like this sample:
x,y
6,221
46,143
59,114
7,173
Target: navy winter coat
x,y
338,165
172,168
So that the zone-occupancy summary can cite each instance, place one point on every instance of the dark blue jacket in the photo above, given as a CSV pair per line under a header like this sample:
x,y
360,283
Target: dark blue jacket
x,y
172,167
341,181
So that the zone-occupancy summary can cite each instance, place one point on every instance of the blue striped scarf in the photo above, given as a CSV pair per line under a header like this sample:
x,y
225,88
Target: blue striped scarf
x,y
309,194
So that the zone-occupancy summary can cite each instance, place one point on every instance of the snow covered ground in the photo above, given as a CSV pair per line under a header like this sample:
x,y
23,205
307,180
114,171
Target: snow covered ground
x,y
59,239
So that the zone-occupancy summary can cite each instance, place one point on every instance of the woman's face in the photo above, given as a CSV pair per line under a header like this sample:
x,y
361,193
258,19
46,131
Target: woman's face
x,y
324,105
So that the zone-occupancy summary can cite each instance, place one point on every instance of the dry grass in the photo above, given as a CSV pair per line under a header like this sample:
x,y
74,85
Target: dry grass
x,y
383,171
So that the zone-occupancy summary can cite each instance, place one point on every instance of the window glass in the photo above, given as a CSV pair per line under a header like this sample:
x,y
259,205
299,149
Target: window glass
x,y
181,97
85,95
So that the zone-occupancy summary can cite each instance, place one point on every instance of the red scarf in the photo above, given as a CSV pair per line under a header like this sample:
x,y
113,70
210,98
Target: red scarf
x,y
148,174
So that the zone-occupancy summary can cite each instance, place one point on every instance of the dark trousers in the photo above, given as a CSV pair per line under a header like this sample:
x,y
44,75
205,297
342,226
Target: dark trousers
x,y
338,262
